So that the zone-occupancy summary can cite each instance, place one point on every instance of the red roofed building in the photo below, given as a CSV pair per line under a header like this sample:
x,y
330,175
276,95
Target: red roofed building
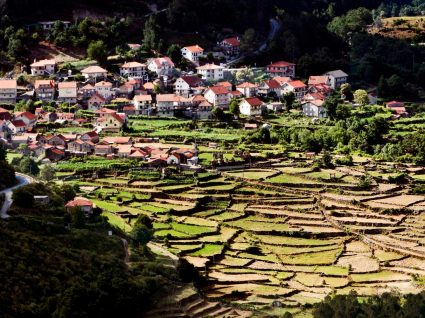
x,y
247,89
186,85
28,118
5,114
270,86
54,154
95,102
251,106
218,96
81,203
281,68
161,66
296,87
231,46
396,106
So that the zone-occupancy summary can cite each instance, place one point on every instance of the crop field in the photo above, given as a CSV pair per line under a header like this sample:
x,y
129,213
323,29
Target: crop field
x,y
286,233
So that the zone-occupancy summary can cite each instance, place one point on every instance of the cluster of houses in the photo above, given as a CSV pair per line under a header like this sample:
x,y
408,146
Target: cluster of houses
x,y
194,95
55,147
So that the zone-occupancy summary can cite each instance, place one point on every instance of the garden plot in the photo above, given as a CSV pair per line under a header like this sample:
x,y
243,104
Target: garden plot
x,y
382,276
398,202
252,174
358,263
238,278
282,212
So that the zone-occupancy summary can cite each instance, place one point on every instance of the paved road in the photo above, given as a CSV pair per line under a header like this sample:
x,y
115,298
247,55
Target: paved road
x,y
22,180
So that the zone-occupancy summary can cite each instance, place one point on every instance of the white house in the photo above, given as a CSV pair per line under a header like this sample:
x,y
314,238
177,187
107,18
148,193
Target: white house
x,y
161,66
8,91
270,86
282,69
67,92
104,89
133,70
192,53
211,72
314,109
218,96
165,104
95,72
337,78
247,89
143,104
297,87
187,85
43,67
251,106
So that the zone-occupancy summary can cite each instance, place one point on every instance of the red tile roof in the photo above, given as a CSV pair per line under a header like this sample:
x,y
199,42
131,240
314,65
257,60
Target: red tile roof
x,y
79,202
232,41
219,90
254,101
281,64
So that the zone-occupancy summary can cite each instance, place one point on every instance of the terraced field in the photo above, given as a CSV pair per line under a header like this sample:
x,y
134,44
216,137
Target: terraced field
x,y
286,234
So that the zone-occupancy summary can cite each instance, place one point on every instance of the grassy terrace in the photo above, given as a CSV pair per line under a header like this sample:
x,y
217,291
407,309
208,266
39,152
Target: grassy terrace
x,y
269,238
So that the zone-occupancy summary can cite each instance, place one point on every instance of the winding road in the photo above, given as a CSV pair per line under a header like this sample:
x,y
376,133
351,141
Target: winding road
x,y
22,180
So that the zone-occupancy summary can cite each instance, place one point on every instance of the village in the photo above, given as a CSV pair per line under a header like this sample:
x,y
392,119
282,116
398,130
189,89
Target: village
x,y
104,103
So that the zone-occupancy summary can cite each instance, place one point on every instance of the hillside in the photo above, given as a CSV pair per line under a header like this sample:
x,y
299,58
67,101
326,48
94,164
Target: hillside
x,y
407,28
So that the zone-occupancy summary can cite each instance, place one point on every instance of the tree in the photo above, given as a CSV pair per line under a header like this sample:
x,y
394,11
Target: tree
x,y
346,92
28,165
23,197
234,107
142,230
331,104
289,99
382,89
97,51
218,113
78,218
361,97
327,160
174,53
355,20
244,75
47,173
247,40
149,33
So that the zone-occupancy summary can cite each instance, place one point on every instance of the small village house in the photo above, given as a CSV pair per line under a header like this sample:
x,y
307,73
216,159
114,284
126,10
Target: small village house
x,y
247,89
43,67
336,78
211,72
161,66
94,72
8,91
192,53
133,70
218,96
252,106
282,69
67,92
45,90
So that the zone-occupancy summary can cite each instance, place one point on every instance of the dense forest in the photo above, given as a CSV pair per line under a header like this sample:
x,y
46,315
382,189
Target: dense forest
x,y
58,264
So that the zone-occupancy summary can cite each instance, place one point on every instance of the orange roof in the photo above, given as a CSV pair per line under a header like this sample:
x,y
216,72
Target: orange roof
x,y
254,101
297,84
315,80
225,84
79,202
8,84
194,49
219,90
209,67
281,64
103,84
42,63
94,69
282,79
132,64
232,41
143,98
67,85
247,85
